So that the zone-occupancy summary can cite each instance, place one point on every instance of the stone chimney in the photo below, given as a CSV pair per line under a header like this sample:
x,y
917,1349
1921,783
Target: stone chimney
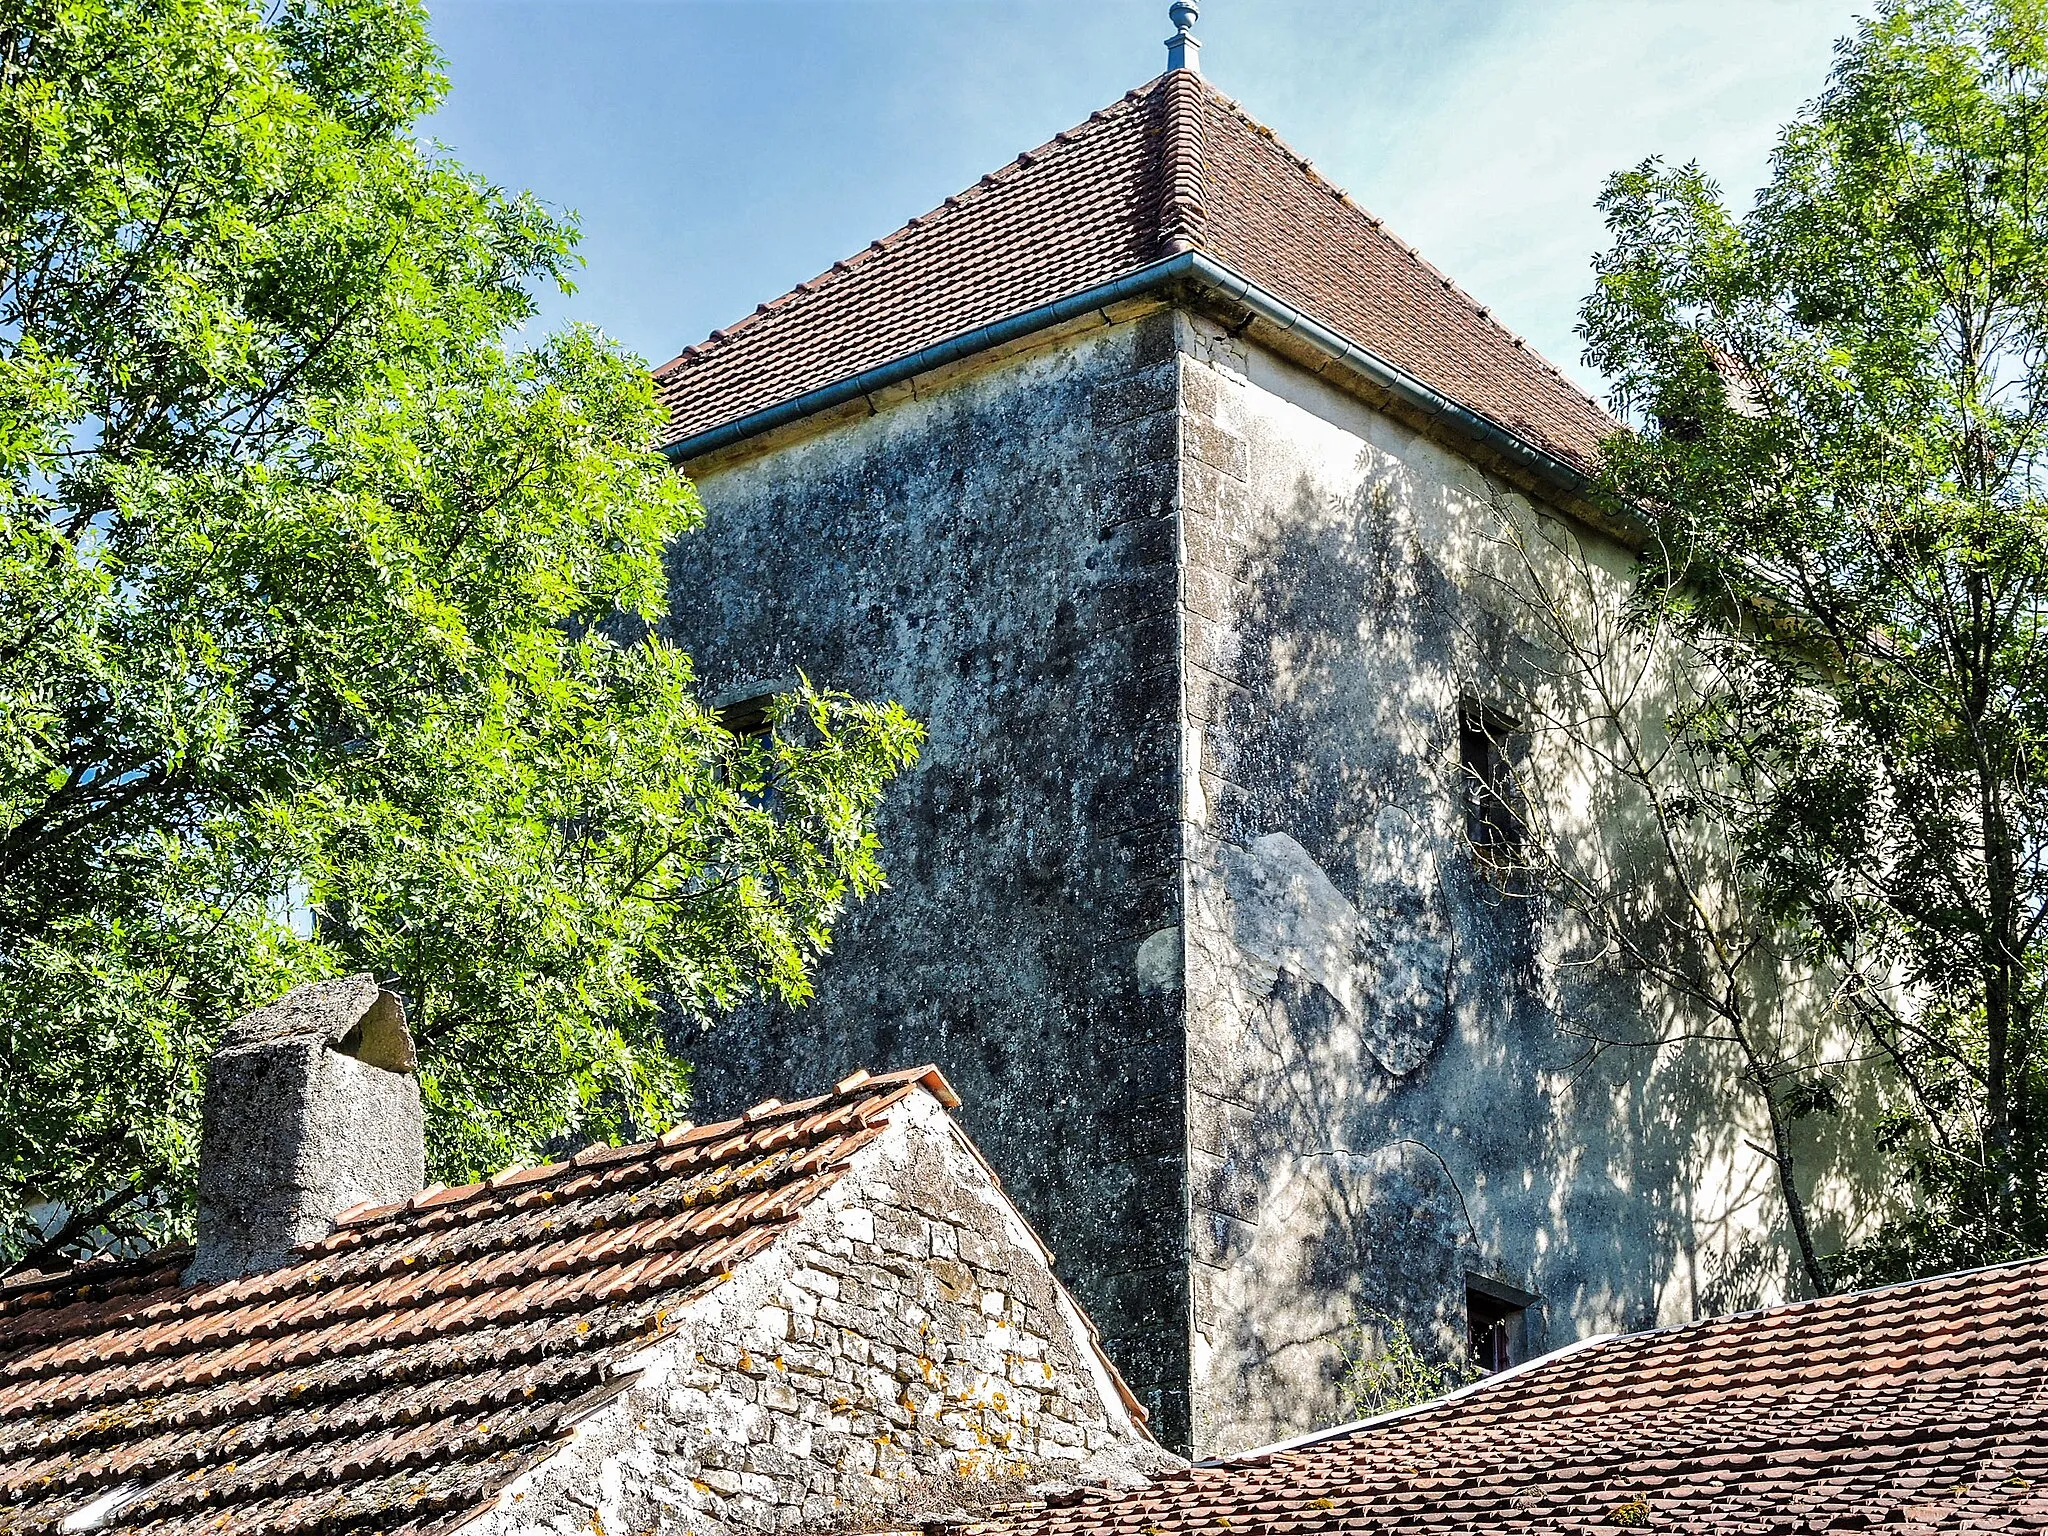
x,y
311,1107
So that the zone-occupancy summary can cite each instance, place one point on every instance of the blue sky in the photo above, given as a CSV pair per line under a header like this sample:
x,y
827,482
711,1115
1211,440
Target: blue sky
x,y
721,151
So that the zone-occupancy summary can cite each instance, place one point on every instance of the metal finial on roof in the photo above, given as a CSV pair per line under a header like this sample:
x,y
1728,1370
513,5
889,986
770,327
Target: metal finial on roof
x,y
1184,49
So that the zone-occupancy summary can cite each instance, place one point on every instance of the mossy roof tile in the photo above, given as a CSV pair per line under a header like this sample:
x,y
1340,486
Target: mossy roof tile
x,y
1915,1407
400,1371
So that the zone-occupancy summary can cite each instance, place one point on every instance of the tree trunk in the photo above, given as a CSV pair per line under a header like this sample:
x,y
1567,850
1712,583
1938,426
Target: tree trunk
x,y
1781,1158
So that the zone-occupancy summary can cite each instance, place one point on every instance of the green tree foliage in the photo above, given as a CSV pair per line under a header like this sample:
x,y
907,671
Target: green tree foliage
x,y
318,596
1841,400
1386,1370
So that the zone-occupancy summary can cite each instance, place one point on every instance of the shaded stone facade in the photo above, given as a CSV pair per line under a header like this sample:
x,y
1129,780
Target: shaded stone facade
x,y
1000,558
1180,894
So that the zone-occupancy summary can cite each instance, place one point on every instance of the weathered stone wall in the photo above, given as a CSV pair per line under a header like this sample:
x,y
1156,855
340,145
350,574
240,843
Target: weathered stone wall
x,y
903,1349
1390,1080
998,555
1180,894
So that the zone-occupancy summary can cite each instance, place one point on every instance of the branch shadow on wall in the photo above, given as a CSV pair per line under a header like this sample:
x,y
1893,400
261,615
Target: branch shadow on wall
x,y
1391,1090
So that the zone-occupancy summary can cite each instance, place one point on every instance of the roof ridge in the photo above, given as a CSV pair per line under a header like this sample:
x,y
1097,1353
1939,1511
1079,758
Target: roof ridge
x,y
864,1096
1302,163
952,207
1840,1299
1472,1388
865,1091
91,1269
1184,168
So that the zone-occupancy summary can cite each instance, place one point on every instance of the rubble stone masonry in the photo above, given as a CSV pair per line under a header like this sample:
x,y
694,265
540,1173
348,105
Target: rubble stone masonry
x,y
1181,897
904,1349
997,554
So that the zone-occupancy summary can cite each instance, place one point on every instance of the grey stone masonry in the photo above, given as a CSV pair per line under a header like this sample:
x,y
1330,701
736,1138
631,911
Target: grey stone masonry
x,y
1182,896
998,556
903,1350
311,1107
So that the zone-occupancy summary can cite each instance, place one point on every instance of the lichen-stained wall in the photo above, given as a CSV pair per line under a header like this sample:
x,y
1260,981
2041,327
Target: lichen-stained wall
x,y
1388,1070
1180,895
903,1349
998,556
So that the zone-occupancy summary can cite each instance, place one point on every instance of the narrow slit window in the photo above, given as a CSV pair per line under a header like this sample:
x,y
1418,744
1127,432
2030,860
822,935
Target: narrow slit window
x,y
1493,805
748,718
1497,1325
749,721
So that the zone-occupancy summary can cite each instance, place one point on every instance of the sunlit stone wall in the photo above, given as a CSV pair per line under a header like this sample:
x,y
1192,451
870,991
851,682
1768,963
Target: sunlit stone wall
x,y
1403,1072
1180,896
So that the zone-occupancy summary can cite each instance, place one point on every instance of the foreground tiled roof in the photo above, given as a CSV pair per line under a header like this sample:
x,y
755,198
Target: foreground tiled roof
x,y
1911,1409
403,1370
1174,166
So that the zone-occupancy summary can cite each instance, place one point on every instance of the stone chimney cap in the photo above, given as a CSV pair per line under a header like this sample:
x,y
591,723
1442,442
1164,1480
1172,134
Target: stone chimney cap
x,y
351,1014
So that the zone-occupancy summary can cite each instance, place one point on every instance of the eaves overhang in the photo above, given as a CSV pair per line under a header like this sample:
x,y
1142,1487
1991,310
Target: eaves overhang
x,y
1195,274
1144,281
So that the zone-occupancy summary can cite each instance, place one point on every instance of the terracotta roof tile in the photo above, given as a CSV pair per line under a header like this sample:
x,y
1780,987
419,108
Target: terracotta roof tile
x,y
1271,218
400,1371
1919,1405
1173,166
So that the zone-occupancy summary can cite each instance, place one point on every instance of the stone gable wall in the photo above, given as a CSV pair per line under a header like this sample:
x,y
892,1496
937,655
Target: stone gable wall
x,y
904,1349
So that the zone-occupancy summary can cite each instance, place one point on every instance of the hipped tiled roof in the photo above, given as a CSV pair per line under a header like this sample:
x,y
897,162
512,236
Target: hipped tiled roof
x,y
1174,166
397,1374
1914,1409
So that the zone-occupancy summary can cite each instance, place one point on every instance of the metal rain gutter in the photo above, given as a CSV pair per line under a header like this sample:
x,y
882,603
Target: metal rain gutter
x,y
1211,274
1403,386
951,350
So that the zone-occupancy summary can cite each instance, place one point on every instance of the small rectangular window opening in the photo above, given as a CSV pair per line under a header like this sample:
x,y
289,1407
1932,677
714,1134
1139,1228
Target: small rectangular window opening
x,y
1493,805
747,718
1496,1321
750,721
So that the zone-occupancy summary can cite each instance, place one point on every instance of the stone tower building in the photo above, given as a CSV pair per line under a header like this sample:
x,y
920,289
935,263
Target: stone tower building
x,y
1148,472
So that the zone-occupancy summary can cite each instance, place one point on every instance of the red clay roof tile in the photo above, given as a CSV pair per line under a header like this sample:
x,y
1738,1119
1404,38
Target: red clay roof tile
x,y
401,1370
1173,166
1919,1405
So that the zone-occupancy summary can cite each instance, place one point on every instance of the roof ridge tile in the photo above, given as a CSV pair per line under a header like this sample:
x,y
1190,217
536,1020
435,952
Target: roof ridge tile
x,y
1307,167
1184,169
